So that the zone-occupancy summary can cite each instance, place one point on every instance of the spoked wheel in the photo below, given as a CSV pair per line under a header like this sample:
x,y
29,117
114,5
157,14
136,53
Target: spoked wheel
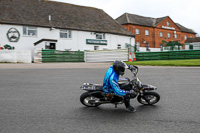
x,y
148,98
89,101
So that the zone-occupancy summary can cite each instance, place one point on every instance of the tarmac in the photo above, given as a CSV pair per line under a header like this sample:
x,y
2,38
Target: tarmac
x,y
44,100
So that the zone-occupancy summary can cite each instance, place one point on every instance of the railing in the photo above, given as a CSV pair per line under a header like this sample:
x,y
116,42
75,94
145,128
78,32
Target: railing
x,y
168,55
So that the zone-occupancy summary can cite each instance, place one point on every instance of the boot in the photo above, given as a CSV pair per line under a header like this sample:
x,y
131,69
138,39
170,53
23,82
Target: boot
x,y
128,106
131,109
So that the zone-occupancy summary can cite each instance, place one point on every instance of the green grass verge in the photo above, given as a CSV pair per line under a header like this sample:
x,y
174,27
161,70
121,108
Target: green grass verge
x,y
191,62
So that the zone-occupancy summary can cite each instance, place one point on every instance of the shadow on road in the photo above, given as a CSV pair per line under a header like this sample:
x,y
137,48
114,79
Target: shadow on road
x,y
145,108
116,113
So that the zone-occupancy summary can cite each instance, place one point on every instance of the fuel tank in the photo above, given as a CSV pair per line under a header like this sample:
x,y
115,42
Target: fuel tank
x,y
124,84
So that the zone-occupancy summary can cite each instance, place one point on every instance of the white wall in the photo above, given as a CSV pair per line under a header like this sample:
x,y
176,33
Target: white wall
x,y
144,49
15,56
77,42
25,43
196,45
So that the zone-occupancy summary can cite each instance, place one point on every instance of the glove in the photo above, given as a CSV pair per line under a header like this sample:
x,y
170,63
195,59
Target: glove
x,y
130,92
131,68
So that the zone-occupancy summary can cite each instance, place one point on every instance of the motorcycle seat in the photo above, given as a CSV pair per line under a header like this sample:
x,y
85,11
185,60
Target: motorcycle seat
x,y
92,87
98,87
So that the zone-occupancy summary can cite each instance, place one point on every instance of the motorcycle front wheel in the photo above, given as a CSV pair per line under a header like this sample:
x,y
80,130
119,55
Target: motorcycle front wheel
x,y
148,98
89,100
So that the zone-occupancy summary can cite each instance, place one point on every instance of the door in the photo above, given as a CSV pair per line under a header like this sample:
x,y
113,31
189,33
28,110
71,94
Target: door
x,y
52,46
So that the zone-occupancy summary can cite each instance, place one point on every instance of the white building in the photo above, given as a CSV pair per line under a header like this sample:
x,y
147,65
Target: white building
x,y
53,25
192,43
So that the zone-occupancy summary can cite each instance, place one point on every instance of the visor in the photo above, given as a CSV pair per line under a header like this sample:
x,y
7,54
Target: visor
x,y
121,69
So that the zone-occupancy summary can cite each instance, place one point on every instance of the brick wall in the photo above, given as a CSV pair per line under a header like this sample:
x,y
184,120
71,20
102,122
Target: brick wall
x,y
154,39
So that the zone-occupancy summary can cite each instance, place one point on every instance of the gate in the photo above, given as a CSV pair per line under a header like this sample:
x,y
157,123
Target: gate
x,y
106,55
46,56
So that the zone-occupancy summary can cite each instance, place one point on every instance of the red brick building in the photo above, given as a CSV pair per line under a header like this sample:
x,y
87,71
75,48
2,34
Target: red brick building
x,y
150,32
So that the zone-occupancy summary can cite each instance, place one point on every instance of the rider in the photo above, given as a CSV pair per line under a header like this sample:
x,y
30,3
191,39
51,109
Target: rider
x,y
110,83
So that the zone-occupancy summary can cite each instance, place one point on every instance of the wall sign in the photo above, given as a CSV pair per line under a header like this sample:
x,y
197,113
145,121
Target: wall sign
x,y
166,27
97,42
13,35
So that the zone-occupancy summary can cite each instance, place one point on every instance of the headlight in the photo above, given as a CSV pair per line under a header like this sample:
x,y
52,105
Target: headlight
x,y
139,84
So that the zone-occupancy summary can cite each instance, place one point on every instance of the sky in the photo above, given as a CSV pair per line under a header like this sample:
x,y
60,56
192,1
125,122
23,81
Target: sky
x,y
184,12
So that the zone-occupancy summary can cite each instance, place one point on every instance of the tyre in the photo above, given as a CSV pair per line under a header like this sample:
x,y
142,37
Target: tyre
x,y
152,98
89,100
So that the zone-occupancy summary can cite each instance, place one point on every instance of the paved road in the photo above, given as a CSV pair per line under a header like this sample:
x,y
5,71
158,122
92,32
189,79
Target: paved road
x,y
47,101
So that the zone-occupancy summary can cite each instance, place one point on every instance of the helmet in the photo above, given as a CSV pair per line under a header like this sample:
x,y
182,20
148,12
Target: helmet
x,y
119,67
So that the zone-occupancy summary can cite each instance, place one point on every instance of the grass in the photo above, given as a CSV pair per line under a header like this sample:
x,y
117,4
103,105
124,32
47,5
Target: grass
x,y
191,62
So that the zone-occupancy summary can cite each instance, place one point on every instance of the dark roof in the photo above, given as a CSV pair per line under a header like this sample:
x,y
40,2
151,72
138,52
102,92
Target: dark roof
x,y
191,40
127,18
159,20
63,16
184,29
42,40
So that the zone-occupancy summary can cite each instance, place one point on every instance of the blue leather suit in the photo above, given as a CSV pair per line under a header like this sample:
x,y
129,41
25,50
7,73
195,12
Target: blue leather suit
x,y
110,83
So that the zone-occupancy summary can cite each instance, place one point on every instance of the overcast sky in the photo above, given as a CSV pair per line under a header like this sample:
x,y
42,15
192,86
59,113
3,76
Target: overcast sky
x,y
184,12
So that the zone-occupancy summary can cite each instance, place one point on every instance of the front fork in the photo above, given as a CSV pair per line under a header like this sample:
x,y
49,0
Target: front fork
x,y
142,94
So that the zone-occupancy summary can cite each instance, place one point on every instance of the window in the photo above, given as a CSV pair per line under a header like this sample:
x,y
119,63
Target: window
x,y
100,36
119,46
185,37
65,34
137,31
50,45
146,32
96,47
175,35
167,23
168,34
29,31
161,34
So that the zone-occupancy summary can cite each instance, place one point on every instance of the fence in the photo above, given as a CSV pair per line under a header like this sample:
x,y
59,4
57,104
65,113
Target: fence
x,y
168,55
58,56
106,55
15,56
80,56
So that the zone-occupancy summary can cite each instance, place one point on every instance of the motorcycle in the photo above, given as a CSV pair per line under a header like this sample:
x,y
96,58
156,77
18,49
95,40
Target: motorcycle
x,y
94,95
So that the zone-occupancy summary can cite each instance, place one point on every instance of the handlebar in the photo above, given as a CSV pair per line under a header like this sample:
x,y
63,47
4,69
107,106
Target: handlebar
x,y
135,67
136,70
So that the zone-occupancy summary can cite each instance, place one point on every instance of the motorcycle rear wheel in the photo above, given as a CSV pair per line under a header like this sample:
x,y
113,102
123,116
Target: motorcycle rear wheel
x,y
89,100
152,97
